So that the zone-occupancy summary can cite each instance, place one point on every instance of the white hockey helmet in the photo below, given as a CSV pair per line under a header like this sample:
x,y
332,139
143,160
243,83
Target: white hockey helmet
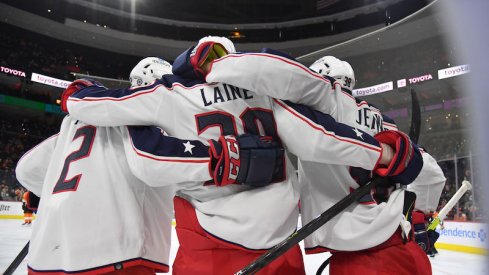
x,y
335,68
227,43
148,70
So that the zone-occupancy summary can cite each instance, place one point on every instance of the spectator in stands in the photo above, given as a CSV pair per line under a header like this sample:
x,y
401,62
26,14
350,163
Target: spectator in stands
x,y
460,216
5,193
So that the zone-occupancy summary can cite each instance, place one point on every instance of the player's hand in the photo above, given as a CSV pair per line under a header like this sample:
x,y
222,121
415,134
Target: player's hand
x,y
424,238
195,62
247,159
74,87
203,54
406,161
225,160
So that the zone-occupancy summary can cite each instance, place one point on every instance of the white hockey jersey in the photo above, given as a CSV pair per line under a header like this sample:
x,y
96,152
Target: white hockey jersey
x,y
323,183
106,202
251,218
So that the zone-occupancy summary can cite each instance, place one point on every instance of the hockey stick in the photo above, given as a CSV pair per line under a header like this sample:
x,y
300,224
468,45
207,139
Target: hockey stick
x,y
415,128
323,266
443,213
310,227
16,262
334,210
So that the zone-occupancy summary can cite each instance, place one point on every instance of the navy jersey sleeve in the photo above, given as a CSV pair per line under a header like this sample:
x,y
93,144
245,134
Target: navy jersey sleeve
x,y
160,160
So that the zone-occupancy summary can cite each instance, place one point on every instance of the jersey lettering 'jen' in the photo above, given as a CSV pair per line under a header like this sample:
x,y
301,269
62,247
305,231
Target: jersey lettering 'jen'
x,y
370,119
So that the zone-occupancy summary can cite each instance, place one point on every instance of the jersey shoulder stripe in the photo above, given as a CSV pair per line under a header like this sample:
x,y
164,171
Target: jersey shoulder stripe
x,y
95,93
329,126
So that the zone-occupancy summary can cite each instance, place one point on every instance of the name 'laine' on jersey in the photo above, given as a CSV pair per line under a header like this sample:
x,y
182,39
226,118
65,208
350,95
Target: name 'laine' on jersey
x,y
222,93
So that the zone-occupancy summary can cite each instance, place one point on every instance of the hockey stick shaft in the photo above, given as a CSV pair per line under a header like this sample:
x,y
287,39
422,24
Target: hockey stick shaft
x,y
415,127
16,262
450,204
310,227
326,216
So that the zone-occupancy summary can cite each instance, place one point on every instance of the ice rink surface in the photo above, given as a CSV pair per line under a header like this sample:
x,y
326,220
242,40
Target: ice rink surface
x,y
13,237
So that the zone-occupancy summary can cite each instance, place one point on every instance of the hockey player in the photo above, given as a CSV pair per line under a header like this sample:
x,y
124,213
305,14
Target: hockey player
x,y
32,171
222,229
103,207
148,70
371,232
27,211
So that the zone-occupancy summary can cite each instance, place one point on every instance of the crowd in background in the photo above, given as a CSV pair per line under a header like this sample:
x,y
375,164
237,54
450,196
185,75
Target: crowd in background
x,y
30,52
469,206
17,136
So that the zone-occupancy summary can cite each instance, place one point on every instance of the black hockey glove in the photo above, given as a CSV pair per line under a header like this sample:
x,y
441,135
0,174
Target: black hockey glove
x,y
246,159
33,201
407,161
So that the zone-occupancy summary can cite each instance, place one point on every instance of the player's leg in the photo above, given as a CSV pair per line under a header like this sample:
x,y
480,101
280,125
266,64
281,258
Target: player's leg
x,y
392,257
27,217
200,254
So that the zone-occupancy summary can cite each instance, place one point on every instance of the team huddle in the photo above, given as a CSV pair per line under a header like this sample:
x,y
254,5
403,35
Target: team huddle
x,y
208,140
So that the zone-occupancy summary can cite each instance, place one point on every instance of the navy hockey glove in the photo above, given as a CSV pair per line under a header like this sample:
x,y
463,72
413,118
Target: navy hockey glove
x,y
424,238
246,159
407,161
432,237
194,62
74,87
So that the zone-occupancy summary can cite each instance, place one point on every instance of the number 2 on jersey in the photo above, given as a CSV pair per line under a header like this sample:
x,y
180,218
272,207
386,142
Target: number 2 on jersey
x,y
63,184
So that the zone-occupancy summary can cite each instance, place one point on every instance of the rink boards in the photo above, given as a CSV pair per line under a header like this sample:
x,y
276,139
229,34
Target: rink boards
x,y
471,237
467,237
11,210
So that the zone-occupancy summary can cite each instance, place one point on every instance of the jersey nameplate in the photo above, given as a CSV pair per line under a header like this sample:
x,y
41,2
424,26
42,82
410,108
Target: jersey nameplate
x,y
223,93
368,118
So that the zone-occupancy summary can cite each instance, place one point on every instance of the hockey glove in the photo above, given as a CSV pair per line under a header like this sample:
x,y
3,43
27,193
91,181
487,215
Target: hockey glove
x,y
246,159
432,237
425,238
194,62
33,202
406,162
74,87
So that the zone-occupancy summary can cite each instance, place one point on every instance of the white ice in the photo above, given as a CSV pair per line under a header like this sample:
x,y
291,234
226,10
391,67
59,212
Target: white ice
x,y
13,237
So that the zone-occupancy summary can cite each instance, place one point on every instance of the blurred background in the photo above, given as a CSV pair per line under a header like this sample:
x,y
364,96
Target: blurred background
x,y
396,47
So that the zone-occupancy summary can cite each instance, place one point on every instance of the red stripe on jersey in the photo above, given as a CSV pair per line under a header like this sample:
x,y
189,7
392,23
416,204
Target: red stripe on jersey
x,y
108,98
286,60
159,267
294,63
316,250
114,98
370,147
